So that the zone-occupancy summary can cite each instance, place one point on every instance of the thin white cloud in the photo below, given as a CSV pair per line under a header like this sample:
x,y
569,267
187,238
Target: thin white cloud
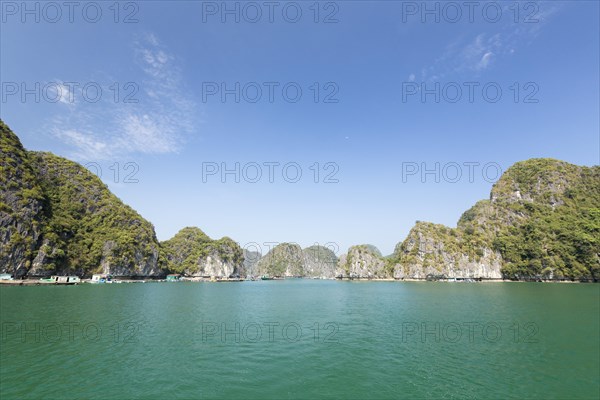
x,y
485,61
157,124
475,54
59,92
85,143
66,94
147,134
152,39
470,57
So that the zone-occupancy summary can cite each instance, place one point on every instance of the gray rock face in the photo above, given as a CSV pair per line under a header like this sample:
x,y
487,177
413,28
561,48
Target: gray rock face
x,y
192,253
362,262
289,259
319,262
251,258
58,218
142,264
424,256
436,250
20,206
285,259
42,259
221,263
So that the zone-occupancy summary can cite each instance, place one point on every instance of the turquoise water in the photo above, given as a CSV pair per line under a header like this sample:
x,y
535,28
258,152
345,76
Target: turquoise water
x,y
301,339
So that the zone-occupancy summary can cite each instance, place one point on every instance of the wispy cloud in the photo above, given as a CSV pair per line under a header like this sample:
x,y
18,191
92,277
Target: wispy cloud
x,y
62,92
85,142
479,52
156,123
148,134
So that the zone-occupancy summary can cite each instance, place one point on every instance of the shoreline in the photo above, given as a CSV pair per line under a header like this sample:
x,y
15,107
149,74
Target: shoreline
x,y
37,282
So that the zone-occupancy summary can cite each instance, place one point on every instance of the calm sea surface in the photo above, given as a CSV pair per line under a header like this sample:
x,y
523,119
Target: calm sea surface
x,y
301,339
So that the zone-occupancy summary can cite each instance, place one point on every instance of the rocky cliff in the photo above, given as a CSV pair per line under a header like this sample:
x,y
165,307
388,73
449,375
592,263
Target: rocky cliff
x,y
542,221
289,259
57,217
319,262
285,259
363,261
251,258
21,206
192,253
432,251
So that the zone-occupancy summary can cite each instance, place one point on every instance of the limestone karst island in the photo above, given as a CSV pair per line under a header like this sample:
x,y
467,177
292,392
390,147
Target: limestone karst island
x,y
540,222
300,200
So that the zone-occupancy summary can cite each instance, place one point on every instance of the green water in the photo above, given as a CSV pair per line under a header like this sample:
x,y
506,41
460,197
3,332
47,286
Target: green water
x,y
301,339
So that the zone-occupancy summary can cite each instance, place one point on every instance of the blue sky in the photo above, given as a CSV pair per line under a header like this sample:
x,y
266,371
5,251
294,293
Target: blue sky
x,y
369,123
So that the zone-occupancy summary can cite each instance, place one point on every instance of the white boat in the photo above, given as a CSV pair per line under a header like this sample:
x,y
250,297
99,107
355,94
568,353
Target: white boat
x,y
101,278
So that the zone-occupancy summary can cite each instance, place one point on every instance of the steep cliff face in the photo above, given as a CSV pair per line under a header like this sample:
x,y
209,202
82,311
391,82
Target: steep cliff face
x,y
21,202
285,259
363,261
319,262
542,222
554,210
192,253
288,259
251,258
432,250
88,229
57,217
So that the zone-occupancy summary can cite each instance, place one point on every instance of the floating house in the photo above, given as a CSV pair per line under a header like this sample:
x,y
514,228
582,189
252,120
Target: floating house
x,y
173,278
101,278
62,280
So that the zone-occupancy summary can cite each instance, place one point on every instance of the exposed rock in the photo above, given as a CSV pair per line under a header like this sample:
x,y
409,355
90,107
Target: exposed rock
x,y
58,218
251,258
542,222
223,260
289,259
21,200
362,262
319,262
192,253
285,259
436,250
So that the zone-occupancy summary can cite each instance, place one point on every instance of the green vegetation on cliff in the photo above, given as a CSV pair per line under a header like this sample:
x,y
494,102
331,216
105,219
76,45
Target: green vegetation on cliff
x,y
543,219
189,248
319,261
20,204
555,210
85,224
285,259
66,218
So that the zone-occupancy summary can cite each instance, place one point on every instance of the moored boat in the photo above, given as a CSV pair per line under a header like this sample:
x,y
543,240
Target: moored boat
x,y
62,280
173,278
102,278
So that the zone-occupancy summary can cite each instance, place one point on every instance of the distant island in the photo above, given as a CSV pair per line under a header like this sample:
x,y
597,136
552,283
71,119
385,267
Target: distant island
x,y
541,222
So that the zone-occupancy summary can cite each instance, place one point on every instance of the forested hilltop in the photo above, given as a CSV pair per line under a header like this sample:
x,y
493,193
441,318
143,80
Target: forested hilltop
x,y
57,217
542,221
